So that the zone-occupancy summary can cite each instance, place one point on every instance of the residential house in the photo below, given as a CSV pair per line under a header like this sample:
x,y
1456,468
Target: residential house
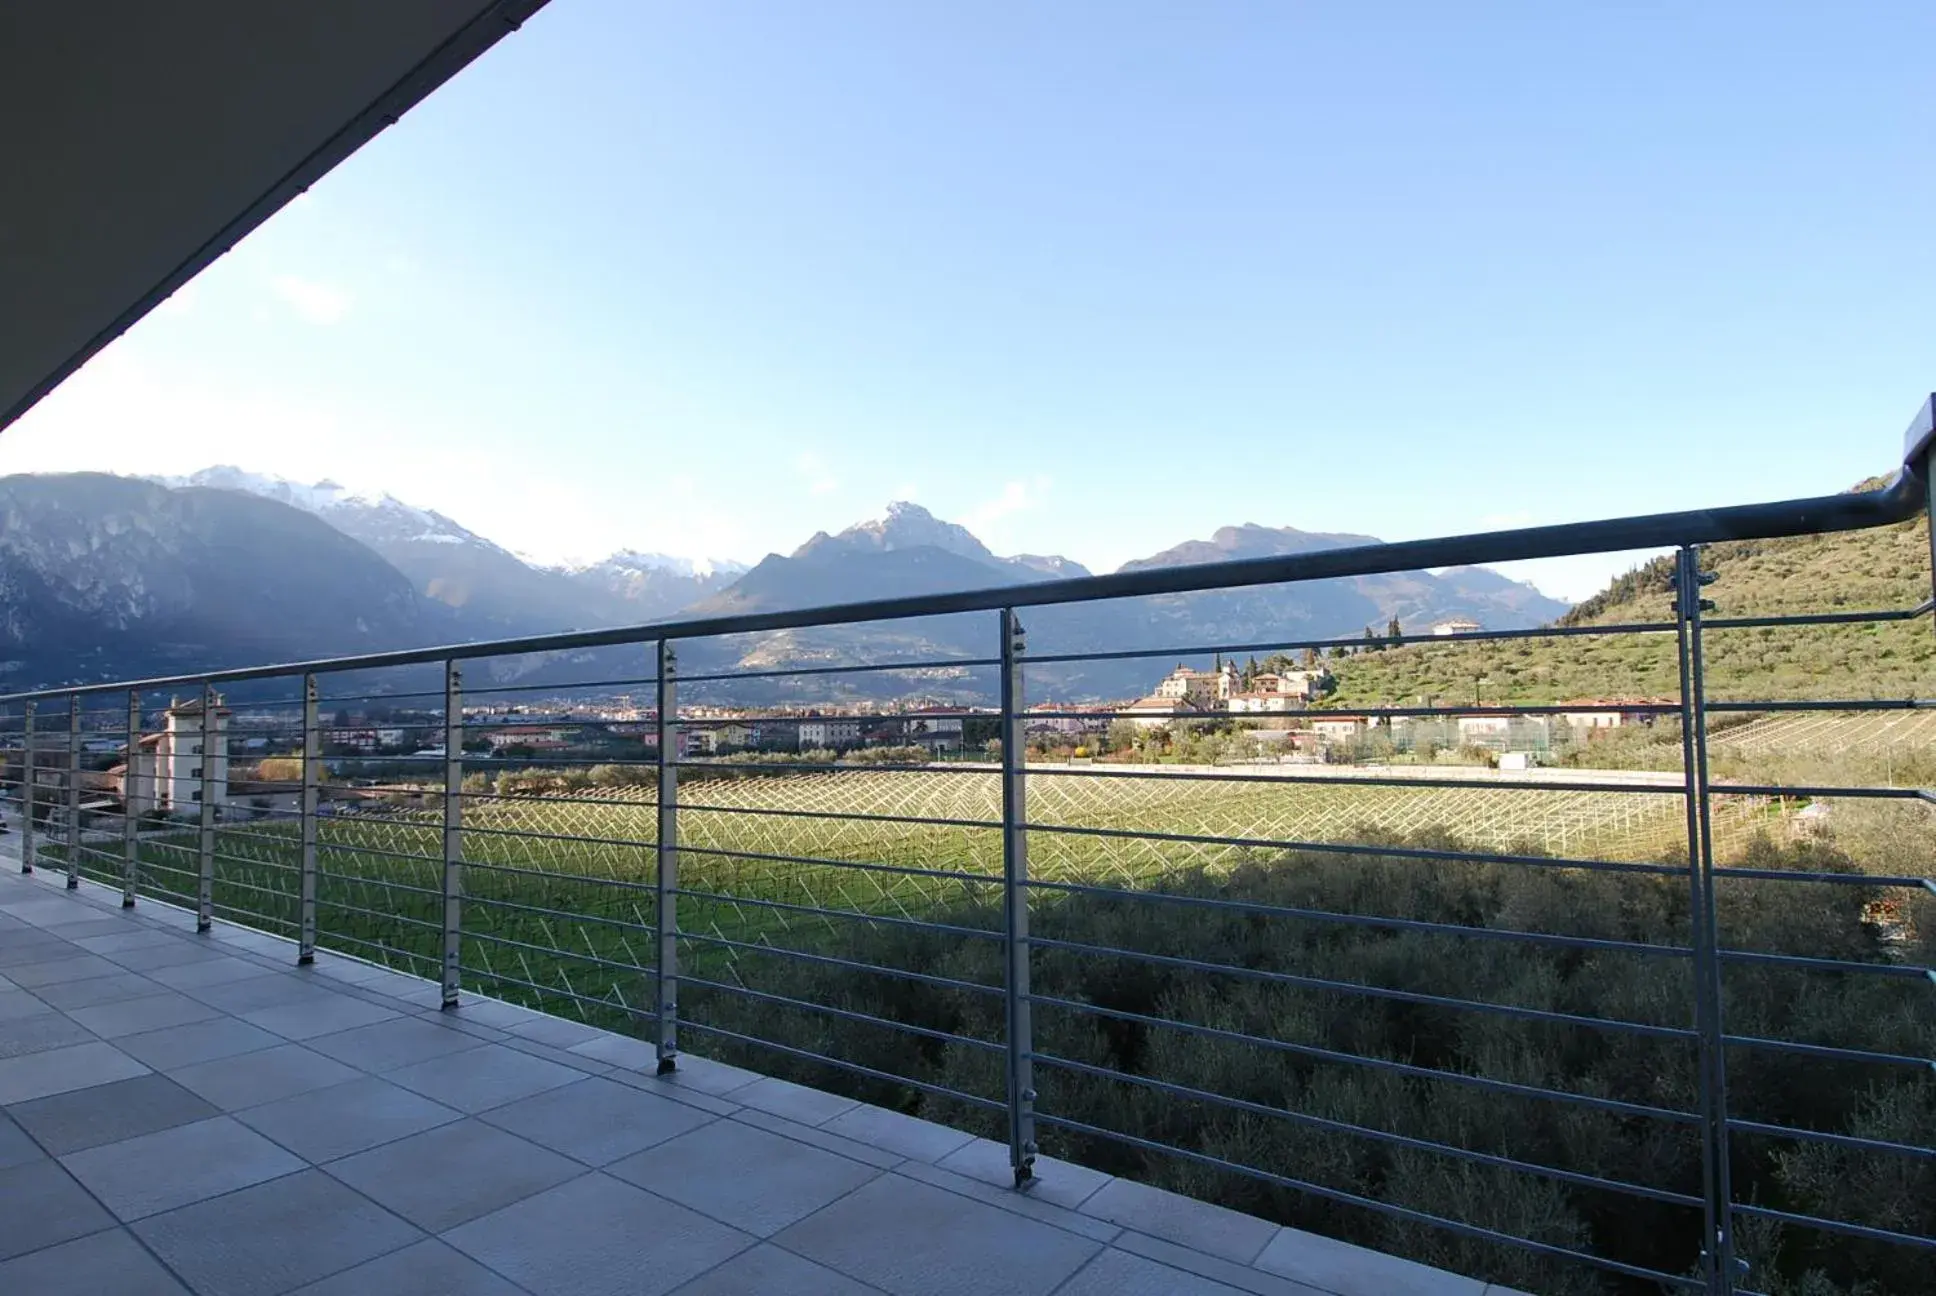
x,y
817,732
1457,626
1200,688
1338,729
1154,712
167,771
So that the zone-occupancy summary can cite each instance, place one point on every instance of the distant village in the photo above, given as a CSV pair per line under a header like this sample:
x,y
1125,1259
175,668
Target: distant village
x,y
248,763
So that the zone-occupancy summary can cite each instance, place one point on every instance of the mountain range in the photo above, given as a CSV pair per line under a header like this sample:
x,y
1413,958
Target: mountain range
x,y
104,577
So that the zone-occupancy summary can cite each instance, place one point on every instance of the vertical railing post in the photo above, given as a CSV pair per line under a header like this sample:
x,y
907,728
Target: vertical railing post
x,y
312,752
205,861
1717,1246
666,892
1015,908
130,818
27,788
74,792
453,833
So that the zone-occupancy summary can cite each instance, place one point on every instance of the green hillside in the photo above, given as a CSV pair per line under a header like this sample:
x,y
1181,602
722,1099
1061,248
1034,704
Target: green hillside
x,y
1883,568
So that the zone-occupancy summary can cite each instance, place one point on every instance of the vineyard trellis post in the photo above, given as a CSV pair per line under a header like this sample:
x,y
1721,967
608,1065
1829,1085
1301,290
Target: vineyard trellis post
x,y
1015,907
1718,1264
312,750
453,832
205,794
130,821
74,792
666,888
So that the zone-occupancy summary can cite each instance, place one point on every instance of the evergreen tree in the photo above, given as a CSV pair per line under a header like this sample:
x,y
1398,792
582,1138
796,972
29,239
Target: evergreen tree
x,y
1392,631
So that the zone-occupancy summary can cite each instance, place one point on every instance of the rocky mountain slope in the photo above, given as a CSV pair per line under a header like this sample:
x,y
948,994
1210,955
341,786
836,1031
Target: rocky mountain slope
x,y
104,576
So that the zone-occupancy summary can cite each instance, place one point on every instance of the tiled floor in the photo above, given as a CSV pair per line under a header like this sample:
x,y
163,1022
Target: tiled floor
x,y
194,1113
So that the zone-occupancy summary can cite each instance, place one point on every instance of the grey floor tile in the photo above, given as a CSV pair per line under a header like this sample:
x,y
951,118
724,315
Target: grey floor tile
x,y
16,1147
347,1118
755,1181
133,1016
853,1150
1230,1273
85,1118
69,995
481,1078
35,947
15,1004
272,1237
495,1012
710,1077
1060,1183
795,1102
397,1042
891,1131
595,1120
912,1239
427,1268
1357,1271
1214,1230
445,1176
307,1019
558,1032
40,1032
1119,1273
180,1046
40,1204
74,966
210,972
596,1236
620,1050
247,995
150,958
158,1172
269,1075
766,1268
1015,1203
108,1263
121,938
89,924
77,1066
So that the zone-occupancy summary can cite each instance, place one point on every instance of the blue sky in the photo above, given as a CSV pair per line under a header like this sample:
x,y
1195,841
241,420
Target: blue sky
x,y
1091,278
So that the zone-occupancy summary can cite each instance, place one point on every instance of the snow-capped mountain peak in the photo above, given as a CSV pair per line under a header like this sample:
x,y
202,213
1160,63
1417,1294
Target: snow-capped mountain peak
x,y
635,561
367,517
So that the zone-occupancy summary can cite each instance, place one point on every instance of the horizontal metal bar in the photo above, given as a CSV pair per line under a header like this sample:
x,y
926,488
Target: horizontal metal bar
x,y
1899,500
1816,618
1355,848
1367,920
1328,712
383,915
1339,1195
1268,976
1320,1054
560,992
353,879
855,915
827,960
1904,971
1841,879
1295,645
532,834
821,861
548,951
840,1064
325,935
1815,791
471,693
491,902
844,1014
1240,776
1837,1140
1836,1226
1833,1052
586,879
844,816
1840,704
1326,1123
951,663
377,851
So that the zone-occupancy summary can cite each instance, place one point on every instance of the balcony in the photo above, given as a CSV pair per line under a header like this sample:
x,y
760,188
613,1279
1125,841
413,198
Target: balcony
x,y
963,1019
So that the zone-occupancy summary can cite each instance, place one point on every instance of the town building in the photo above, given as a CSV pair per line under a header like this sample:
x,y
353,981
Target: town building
x,y
1457,626
1202,689
817,732
166,771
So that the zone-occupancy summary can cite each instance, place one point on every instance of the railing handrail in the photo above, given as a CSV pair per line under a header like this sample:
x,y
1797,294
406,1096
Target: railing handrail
x,y
1902,498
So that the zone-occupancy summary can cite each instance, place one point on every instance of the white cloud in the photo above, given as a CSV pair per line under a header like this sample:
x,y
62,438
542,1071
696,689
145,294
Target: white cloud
x,y
1015,497
311,299
814,471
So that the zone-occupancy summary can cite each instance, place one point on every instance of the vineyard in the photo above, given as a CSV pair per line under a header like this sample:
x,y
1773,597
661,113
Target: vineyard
x,y
1829,734
559,888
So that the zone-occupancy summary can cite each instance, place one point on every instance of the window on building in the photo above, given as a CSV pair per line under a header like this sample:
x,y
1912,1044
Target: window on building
x,y
196,772
196,795
194,749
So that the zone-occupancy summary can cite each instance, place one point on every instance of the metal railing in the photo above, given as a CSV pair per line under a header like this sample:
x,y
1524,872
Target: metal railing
x,y
1572,1030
